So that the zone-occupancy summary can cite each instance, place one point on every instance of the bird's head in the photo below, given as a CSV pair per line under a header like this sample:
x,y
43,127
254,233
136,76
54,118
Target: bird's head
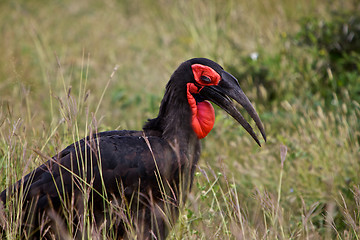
x,y
210,82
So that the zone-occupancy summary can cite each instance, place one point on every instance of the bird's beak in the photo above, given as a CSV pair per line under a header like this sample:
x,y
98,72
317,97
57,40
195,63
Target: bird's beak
x,y
229,87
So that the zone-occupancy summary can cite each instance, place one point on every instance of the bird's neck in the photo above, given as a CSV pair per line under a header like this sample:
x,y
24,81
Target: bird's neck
x,y
173,121
174,118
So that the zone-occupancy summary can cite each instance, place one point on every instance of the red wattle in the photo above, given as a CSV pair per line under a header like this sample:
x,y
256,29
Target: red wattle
x,y
202,113
203,122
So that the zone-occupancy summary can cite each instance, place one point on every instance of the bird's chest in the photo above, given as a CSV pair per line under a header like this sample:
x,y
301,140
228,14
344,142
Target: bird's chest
x,y
173,158
151,165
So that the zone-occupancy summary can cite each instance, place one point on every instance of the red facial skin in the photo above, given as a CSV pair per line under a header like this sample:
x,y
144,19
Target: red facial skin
x,y
201,70
203,114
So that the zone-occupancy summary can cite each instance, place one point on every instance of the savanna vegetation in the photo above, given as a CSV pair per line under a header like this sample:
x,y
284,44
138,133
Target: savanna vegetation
x,y
70,66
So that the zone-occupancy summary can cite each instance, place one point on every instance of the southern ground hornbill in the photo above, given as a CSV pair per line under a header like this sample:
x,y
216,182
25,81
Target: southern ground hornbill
x,y
140,177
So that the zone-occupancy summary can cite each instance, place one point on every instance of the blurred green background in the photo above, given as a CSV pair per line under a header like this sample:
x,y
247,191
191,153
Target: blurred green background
x,y
297,61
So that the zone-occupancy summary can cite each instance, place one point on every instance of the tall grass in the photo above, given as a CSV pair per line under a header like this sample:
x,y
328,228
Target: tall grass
x,y
58,84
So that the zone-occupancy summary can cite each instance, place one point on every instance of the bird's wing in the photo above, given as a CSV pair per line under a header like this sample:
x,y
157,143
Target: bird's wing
x,y
109,159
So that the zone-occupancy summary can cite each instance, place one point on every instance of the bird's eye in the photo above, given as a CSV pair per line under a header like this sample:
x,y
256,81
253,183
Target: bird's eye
x,y
205,79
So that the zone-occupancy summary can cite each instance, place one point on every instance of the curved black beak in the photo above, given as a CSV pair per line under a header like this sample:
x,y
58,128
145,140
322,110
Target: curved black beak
x,y
229,87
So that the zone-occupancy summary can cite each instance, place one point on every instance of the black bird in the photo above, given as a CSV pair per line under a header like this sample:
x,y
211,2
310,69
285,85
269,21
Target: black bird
x,y
139,176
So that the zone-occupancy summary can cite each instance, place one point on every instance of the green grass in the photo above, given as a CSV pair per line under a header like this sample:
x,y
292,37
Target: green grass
x,y
57,81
